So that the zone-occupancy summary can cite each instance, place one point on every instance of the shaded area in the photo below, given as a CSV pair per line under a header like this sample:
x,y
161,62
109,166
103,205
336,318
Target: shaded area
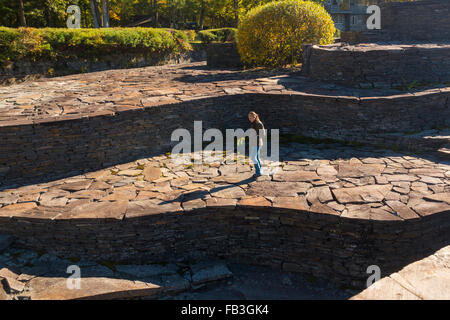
x,y
27,274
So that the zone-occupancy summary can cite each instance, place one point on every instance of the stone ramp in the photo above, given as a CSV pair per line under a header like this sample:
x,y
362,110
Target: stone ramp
x,y
427,279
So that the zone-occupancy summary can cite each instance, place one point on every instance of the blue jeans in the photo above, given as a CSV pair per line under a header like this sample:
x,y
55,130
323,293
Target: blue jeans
x,y
254,155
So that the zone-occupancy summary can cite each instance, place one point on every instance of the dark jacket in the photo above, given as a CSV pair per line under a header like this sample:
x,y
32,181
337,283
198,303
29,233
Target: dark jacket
x,y
257,125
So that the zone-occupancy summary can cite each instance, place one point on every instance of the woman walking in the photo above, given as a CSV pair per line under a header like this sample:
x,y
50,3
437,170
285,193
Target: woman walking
x,y
258,126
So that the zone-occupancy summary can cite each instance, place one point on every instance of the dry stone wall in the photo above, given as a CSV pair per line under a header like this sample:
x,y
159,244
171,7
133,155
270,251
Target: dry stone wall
x,y
223,55
417,21
379,66
326,246
426,20
70,143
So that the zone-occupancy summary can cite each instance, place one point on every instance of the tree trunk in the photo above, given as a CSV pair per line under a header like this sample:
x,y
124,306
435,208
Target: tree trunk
x,y
236,12
202,14
156,12
23,22
105,13
95,13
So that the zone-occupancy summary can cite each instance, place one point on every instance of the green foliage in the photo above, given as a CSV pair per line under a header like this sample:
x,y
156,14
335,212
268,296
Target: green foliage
x,y
220,35
52,43
170,13
206,36
191,34
274,34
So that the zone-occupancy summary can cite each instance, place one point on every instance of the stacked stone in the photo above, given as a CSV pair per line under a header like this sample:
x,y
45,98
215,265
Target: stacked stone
x,y
65,126
329,218
411,50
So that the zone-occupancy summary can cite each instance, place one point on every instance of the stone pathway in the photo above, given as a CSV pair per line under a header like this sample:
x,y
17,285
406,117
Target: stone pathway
x,y
427,279
112,91
330,179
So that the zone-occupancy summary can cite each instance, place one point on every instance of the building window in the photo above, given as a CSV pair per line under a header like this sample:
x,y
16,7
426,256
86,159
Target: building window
x,y
339,19
356,20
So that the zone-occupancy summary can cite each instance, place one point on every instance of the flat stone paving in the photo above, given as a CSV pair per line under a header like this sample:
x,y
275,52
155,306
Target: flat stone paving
x,y
113,91
426,279
331,179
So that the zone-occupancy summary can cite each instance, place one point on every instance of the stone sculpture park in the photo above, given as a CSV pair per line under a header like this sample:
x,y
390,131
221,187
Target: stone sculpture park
x,y
87,175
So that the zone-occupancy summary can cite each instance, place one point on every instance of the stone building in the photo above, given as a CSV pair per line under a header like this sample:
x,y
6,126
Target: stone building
x,y
348,15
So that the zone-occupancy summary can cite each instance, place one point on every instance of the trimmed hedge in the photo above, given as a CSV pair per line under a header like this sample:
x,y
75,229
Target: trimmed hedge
x,y
219,35
274,34
54,43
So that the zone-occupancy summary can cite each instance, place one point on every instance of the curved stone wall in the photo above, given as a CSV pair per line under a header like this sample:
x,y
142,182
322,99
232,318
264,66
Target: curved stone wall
x,y
321,244
379,66
70,143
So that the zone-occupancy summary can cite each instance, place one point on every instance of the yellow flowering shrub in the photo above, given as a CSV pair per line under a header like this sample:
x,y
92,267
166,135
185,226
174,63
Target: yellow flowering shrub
x,y
274,34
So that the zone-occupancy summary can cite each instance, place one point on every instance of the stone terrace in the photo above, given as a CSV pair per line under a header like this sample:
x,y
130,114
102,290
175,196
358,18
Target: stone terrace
x,y
70,124
364,205
326,209
360,183
117,90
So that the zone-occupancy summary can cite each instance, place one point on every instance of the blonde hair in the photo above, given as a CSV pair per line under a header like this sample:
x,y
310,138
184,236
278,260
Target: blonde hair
x,y
254,114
